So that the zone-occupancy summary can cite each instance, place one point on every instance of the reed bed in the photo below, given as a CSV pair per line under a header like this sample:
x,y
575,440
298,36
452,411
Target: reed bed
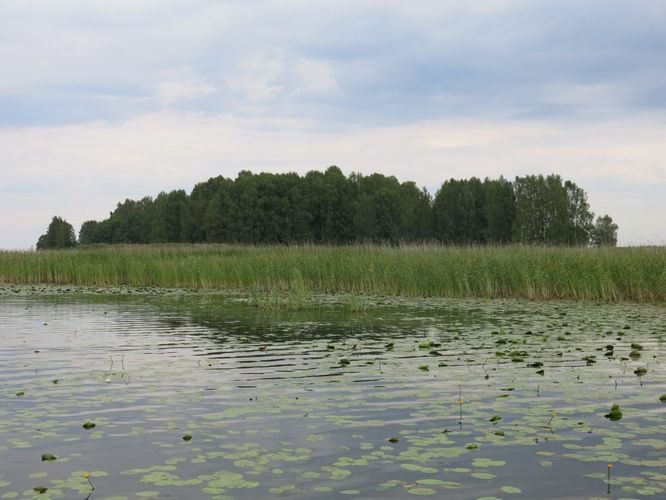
x,y
596,274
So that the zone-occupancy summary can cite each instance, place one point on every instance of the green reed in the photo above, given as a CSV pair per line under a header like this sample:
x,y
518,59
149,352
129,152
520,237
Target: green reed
x,y
608,274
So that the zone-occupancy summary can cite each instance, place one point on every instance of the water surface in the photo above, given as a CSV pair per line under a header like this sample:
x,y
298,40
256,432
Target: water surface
x,y
454,398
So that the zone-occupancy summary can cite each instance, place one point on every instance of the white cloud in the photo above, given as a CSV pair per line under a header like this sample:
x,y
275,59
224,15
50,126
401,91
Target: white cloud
x,y
158,95
81,171
315,76
171,92
257,77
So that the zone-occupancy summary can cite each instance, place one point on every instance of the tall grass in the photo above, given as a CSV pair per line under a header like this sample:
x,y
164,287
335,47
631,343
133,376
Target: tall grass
x,y
608,274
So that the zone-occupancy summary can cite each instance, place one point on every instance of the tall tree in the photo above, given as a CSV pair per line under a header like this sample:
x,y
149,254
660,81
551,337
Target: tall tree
x,y
88,232
500,210
60,234
579,217
604,232
541,210
459,212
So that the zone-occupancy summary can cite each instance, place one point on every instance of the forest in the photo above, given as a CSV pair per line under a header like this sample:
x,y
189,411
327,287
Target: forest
x,y
331,208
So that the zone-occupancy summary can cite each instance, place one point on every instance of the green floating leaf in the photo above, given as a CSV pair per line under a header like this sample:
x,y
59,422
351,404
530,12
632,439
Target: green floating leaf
x,y
424,368
495,418
393,439
89,425
662,398
421,491
483,475
20,393
40,489
511,489
47,457
472,446
344,362
187,437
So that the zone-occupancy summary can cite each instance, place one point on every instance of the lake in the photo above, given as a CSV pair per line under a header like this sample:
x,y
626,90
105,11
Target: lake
x,y
205,396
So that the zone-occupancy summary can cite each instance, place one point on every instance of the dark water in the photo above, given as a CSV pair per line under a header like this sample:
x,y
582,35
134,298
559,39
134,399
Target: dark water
x,y
509,402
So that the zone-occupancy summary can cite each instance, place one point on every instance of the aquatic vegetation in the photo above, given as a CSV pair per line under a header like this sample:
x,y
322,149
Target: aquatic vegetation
x,y
273,413
615,414
286,277
89,425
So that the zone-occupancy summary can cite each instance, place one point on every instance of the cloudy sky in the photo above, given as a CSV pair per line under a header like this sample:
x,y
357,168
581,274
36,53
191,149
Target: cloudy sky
x,y
106,100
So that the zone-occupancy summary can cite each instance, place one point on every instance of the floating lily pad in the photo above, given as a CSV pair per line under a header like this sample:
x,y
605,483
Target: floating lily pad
x,y
421,491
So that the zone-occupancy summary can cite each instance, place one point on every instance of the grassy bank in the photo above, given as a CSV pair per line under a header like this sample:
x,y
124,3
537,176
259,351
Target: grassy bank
x,y
609,274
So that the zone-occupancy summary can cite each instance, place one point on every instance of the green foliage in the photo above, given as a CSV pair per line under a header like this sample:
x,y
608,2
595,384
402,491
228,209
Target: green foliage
x,y
550,212
295,272
459,212
327,207
60,234
604,232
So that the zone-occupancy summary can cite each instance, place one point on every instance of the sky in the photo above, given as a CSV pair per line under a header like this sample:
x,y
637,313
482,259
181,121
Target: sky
x,y
102,101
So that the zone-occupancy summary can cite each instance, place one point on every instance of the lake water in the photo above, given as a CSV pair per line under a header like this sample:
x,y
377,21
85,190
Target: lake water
x,y
441,398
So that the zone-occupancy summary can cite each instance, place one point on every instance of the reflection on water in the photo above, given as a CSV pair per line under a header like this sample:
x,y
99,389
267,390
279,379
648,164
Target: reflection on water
x,y
461,399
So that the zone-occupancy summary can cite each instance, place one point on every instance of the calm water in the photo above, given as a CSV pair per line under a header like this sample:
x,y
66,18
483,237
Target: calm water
x,y
455,399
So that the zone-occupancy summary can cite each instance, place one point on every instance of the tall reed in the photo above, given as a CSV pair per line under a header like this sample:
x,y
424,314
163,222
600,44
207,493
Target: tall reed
x,y
608,274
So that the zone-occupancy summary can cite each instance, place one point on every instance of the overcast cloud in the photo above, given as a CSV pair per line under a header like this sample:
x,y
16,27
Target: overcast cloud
x,y
102,101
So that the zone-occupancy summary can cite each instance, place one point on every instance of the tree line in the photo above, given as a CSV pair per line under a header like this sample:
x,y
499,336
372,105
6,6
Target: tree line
x,y
331,208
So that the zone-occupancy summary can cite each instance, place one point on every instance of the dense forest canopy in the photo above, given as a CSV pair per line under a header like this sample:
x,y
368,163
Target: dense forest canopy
x,y
328,207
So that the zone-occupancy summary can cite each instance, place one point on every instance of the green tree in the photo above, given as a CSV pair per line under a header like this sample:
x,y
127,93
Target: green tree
x,y
500,210
604,232
60,234
88,232
459,212
579,217
542,210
